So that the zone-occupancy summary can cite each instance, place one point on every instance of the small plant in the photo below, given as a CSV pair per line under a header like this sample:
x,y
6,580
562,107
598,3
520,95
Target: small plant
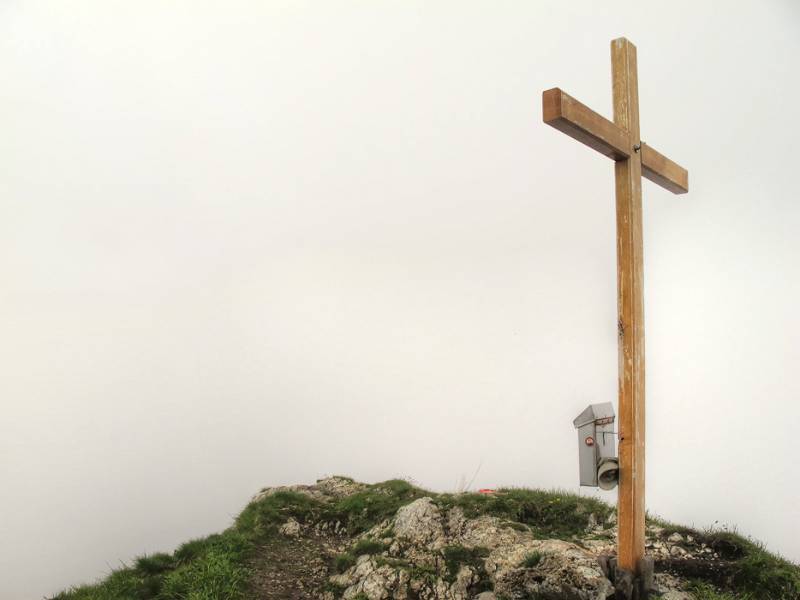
x,y
531,560
704,591
213,567
555,514
365,509
388,532
457,556
335,589
754,572
367,546
342,562
219,574
397,563
423,573
192,549
262,518
155,563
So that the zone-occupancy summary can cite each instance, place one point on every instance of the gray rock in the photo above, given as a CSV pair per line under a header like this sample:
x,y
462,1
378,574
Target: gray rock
x,y
456,522
330,487
677,552
420,523
415,566
413,563
368,579
666,582
290,529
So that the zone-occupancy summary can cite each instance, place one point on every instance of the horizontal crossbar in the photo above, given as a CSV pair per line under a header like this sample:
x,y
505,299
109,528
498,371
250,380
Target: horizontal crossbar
x,y
563,112
659,169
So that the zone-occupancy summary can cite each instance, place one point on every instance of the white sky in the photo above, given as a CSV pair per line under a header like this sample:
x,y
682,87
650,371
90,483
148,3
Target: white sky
x,y
247,244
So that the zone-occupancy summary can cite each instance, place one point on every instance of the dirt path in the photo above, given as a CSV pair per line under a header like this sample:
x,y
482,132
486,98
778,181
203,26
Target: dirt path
x,y
294,568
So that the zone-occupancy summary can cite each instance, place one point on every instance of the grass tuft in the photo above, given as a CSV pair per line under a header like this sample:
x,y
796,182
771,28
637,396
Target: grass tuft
x,y
457,556
155,564
335,589
548,513
263,517
367,546
363,510
755,572
342,562
531,560
704,591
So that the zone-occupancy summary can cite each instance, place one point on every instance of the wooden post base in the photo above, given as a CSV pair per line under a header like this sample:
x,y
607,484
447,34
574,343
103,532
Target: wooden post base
x,y
629,585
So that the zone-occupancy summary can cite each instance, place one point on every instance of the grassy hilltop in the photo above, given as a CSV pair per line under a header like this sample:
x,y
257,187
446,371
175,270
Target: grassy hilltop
x,y
339,537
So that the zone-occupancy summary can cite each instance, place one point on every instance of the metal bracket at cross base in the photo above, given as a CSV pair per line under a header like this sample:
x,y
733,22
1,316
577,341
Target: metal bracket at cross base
x,y
627,585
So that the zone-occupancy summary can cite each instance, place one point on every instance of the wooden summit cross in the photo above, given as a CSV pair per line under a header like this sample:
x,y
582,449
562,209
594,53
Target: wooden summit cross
x,y
620,141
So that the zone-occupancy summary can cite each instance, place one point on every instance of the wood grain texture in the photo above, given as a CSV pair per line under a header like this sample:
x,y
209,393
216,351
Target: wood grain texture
x,y
620,140
659,169
562,111
630,301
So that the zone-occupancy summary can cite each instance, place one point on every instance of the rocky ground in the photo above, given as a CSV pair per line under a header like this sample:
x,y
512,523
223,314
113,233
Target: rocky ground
x,y
343,540
428,551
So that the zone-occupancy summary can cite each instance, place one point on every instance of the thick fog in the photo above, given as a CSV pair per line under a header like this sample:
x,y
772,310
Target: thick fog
x,y
254,243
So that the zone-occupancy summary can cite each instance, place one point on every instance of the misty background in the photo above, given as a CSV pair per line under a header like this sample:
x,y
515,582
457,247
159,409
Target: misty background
x,y
255,243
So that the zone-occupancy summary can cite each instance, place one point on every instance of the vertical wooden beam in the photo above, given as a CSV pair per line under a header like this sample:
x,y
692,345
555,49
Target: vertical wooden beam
x,y
630,306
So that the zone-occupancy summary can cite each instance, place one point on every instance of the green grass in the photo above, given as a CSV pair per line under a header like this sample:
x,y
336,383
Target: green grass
x,y
212,568
263,517
363,510
335,589
548,513
219,575
756,573
368,546
343,561
155,564
531,560
387,533
216,567
207,569
704,591
457,556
